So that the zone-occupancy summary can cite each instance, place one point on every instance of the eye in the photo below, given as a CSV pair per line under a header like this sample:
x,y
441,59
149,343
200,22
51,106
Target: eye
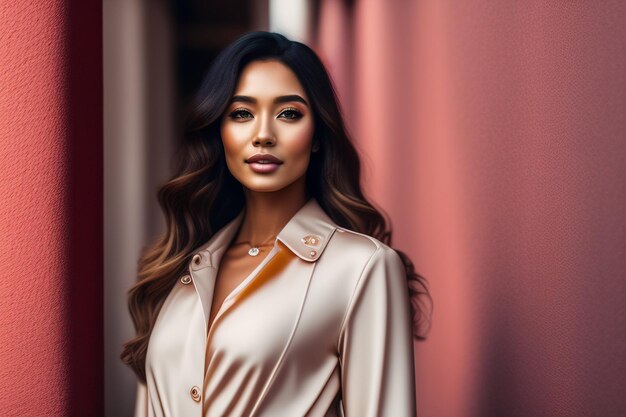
x,y
292,113
240,114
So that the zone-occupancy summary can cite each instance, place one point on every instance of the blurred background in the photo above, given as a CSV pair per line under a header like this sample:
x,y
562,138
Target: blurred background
x,y
492,134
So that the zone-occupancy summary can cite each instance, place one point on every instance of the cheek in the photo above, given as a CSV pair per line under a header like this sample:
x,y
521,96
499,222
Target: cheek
x,y
232,137
300,141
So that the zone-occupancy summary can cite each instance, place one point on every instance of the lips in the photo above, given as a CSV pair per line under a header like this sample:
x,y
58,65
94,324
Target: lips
x,y
263,163
264,158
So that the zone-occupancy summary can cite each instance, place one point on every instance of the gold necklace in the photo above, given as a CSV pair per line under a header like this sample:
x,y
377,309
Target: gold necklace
x,y
254,250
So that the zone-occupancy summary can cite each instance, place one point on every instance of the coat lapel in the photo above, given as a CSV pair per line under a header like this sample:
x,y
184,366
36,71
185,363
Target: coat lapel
x,y
305,235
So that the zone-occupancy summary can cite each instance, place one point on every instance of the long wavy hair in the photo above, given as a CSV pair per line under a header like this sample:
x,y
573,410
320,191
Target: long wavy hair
x,y
202,195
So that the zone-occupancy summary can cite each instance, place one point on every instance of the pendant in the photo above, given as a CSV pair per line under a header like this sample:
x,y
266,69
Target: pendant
x,y
253,251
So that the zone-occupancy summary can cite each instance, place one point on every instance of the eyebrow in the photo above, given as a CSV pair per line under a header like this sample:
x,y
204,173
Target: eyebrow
x,y
277,100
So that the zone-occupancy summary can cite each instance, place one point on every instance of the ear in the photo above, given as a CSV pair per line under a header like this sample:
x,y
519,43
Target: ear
x,y
316,146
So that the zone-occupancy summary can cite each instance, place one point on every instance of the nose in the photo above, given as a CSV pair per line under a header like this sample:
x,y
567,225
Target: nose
x,y
265,135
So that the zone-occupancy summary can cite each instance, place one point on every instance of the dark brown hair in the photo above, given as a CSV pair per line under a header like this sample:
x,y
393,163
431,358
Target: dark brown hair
x,y
201,178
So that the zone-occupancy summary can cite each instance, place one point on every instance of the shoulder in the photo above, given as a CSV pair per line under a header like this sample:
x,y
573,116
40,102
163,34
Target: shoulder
x,y
356,269
360,244
379,285
361,254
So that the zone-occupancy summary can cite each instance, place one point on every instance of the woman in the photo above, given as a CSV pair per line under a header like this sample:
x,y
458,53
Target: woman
x,y
273,291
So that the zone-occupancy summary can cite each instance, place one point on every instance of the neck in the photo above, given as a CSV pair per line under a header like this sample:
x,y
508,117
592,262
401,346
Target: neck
x,y
266,213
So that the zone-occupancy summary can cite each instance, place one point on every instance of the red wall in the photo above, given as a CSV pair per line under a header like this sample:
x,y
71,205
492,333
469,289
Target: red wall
x,y
51,348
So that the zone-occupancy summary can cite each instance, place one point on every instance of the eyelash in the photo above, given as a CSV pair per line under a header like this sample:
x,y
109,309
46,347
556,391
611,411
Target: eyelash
x,y
236,112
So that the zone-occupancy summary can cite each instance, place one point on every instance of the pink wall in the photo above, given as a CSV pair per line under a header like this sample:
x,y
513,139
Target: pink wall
x,y
496,139
51,211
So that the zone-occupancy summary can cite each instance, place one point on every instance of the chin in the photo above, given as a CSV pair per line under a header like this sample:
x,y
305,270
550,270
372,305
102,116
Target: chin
x,y
268,188
266,185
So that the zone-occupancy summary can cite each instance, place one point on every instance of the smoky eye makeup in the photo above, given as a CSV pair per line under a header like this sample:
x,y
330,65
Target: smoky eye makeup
x,y
292,112
239,113
289,113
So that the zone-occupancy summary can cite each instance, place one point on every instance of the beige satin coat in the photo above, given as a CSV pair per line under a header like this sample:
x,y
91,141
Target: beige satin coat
x,y
321,327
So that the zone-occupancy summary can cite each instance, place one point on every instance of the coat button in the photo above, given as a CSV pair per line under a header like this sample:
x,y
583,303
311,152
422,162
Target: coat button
x,y
186,279
195,393
311,240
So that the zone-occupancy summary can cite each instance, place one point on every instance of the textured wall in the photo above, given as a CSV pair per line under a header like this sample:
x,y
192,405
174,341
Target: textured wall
x,y
494,134
51,208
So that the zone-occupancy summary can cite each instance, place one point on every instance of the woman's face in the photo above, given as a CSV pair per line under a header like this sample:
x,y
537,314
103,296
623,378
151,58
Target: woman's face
x,y
269,116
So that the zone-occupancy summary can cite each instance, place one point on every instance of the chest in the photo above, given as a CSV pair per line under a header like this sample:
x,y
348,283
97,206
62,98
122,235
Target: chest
x,y
259,314
285,303
236,265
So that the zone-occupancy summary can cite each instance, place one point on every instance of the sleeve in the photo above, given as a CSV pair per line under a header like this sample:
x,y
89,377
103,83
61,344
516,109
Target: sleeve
x,y
376,342
141,401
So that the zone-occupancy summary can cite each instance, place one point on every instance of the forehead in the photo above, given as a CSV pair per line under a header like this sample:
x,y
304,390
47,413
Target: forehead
x,y
268,79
